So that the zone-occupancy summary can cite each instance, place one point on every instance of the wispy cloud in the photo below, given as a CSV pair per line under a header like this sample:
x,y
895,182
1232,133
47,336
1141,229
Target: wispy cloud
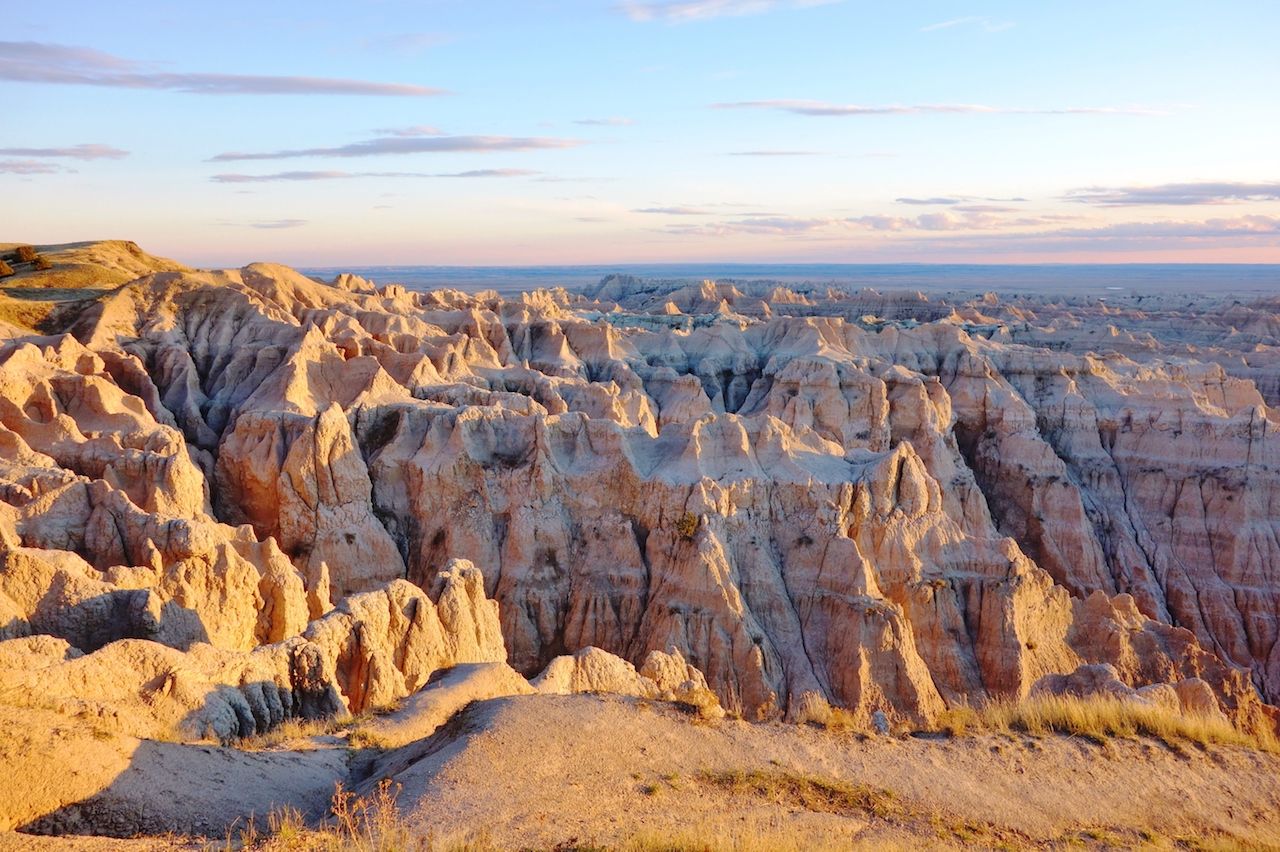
x,y
271,224
1180,194
1239,226
759,225
615,121
985,208
489,173
1242,231
340,175
989,24
959,202
773,153
957,218
36,62
992,232
28,167
683,11
406,44
74,152
673,211
822,108
407,145
415,130
943,221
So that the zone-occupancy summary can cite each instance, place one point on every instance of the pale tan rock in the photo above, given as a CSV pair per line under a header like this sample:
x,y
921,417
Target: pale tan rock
x,y
423,712
894,501
593,670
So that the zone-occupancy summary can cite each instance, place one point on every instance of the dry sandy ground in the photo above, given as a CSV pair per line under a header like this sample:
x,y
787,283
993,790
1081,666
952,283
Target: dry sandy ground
x,y
544,770
537,771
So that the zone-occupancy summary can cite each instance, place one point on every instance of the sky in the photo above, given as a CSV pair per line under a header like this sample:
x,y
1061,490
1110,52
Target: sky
x,y
592,131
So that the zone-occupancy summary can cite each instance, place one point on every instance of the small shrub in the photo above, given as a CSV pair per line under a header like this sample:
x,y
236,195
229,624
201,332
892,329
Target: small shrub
x,y
687,526
359,824
958,721
364,738
42,263
5,269
813,710
25,254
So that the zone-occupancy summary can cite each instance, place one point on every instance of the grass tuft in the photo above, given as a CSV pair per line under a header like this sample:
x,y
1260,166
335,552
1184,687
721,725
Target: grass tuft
x,y
369,823
292,729
813,793
1100,719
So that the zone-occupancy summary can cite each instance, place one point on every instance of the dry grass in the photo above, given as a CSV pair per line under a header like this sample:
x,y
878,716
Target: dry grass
x,y
1100,719
815,710
365,738
357,824
24,313
753,838
812,793
41,310
293,729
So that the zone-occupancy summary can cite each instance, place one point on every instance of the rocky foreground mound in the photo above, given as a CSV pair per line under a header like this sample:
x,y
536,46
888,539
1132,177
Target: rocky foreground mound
x,y
232,498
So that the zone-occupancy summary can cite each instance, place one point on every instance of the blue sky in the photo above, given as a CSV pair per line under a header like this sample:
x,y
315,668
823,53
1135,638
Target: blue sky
x,y
594,132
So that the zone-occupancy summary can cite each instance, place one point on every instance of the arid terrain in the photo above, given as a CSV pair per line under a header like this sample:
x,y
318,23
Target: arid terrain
x,y
658,564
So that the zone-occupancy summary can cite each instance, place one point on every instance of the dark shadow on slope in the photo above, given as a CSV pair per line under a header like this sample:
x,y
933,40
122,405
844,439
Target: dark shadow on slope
x,y
200,790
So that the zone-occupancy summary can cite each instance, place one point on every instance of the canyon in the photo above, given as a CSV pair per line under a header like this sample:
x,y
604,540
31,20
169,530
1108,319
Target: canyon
x,y
233,498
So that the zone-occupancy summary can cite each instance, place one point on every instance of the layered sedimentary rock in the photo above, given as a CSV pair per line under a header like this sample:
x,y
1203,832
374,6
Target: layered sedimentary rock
x,y
371,649
894,503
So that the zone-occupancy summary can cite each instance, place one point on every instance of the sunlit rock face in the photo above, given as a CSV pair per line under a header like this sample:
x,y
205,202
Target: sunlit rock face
x,y
894,502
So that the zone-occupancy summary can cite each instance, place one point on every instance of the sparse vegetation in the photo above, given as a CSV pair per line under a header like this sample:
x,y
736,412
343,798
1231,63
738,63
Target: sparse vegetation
x,y
1099,719
357,824
687,526
28,314
42,263
812,793
365,738
755,838
25,254
293,729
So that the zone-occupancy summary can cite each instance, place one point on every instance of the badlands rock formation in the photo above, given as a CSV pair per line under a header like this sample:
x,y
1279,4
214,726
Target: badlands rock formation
x,y
232,497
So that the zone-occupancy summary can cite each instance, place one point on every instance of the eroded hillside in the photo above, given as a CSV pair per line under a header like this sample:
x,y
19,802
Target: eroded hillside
x,y
230,498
